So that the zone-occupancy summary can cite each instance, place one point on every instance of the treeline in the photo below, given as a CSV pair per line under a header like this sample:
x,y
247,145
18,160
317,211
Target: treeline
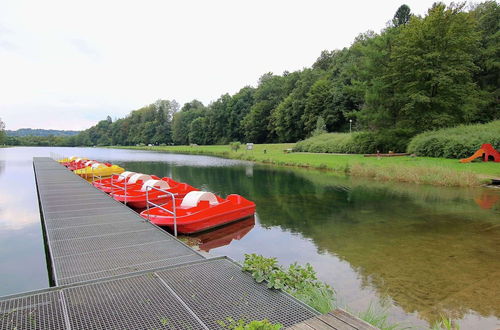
x,y
418,74
40,132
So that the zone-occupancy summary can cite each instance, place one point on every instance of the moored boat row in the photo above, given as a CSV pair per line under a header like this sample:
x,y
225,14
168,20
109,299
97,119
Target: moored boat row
x,y
163,201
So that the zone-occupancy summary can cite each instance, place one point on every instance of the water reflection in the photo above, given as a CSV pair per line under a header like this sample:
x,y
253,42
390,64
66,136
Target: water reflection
x,y
427,250
223,236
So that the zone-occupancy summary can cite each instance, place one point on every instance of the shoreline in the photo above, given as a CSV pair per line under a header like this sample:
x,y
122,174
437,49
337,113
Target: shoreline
x,y
417,170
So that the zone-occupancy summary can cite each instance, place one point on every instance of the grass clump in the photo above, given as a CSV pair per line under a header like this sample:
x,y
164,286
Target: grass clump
x,y
445,323
420,175
457,142
299,281
378,318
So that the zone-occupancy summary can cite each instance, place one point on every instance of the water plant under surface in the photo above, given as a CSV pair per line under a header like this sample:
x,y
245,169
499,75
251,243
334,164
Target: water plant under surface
x,y
241,324
299,281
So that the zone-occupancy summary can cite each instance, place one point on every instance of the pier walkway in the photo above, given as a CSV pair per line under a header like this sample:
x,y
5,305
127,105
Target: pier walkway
x,y
112,269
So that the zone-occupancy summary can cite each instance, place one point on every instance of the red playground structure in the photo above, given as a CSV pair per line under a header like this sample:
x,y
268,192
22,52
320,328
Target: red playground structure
x,y
487,152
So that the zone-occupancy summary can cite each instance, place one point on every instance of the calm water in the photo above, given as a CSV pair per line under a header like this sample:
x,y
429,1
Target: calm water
x,y
420,251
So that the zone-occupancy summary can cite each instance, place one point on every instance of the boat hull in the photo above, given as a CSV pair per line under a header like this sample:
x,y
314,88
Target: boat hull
x,y
203,220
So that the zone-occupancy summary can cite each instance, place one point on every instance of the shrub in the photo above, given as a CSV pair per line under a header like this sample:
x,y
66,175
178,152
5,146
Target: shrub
x,y
457,142
329,142
358,142
235,146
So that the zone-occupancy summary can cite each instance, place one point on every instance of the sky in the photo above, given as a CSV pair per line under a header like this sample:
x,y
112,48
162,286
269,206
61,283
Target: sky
x,y
68,64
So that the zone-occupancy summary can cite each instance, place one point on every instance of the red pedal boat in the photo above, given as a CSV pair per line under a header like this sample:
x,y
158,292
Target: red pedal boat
x,y
117,182
78,163
201,210
136,196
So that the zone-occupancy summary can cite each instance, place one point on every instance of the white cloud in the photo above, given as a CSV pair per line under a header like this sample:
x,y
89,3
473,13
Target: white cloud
x,y
66,64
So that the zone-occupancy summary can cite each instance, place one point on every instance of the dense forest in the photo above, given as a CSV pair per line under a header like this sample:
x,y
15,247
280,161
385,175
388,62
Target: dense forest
x,y
417,74
39,132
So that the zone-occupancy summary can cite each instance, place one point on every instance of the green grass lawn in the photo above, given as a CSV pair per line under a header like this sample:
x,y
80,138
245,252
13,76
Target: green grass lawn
x,y
427,170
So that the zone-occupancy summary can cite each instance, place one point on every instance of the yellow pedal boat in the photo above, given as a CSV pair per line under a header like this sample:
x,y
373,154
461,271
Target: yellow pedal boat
x,y
100,170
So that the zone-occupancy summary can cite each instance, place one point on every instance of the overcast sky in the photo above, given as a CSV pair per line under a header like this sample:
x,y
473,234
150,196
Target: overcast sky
x,y
68,64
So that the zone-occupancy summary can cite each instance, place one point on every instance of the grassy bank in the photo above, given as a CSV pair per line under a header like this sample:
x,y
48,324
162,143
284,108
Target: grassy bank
x,y
421,170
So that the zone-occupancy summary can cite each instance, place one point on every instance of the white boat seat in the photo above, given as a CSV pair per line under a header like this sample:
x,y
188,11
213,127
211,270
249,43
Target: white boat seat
x,y
125,175
192,198
139,176
155,183
97,165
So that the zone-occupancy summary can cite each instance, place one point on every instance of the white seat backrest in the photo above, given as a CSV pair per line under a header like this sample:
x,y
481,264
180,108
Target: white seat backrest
x,y
90,162
154,183
125,175
139,176
97,165
192,198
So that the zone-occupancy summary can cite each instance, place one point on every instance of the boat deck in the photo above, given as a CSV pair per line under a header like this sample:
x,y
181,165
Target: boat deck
x,y
113,269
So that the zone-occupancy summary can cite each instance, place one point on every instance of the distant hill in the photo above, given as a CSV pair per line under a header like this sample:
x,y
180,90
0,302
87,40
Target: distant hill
x,y
40,132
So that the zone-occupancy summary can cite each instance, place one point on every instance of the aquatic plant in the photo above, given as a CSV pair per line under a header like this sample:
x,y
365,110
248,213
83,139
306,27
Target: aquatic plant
x,y
299,281
241,324
445,323
378,317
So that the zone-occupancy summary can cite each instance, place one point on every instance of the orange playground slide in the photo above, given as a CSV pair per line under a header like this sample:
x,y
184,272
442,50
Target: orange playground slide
x,y
486,151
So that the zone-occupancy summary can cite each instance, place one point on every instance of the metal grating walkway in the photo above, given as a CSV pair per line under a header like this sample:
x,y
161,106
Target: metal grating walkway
x,y
91,236
115,270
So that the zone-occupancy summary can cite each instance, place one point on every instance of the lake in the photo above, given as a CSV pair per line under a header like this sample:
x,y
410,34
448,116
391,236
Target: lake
x,y
417,251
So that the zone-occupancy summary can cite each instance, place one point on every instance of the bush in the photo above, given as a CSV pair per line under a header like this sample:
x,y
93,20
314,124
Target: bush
x,y
457,142
235,146
357,143
329,142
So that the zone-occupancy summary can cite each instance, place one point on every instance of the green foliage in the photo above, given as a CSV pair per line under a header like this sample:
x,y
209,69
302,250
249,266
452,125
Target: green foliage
x,y
378,318
445,323
299,281
241,324
402,16
359,142
2,131
235,146
457,142
40,132
320,127
329,143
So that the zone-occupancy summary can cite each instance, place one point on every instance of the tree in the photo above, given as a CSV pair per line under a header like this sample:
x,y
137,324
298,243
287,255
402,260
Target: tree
x,y
182,121
2,131
320,127
402,16
487,16
198,131
431,69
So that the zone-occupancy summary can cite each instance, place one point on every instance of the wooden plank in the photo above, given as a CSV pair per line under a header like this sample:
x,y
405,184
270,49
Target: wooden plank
x,y
317,324
335,322
352,320
300,326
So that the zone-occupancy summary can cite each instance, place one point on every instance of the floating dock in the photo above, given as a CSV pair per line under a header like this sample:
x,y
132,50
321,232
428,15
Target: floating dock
x,y
112,269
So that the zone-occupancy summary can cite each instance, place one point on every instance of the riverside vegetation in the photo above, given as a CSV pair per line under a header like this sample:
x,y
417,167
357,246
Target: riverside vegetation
x,y
420,170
